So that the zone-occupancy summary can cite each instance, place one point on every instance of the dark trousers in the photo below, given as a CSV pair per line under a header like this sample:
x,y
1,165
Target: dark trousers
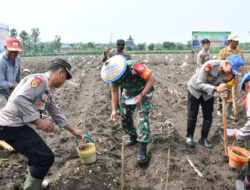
x,y
26,141
247,173
193,107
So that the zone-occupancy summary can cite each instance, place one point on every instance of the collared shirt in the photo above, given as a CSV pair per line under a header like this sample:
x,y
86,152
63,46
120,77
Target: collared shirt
x,y
226,52
114,52
210,75
32,96
9,74
202,57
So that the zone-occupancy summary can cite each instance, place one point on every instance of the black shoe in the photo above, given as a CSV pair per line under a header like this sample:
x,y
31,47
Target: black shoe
x,y
142,153
190,142
132,140
205,143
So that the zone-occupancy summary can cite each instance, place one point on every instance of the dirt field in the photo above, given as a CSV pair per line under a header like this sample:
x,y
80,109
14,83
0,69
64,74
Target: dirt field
x,y
85,101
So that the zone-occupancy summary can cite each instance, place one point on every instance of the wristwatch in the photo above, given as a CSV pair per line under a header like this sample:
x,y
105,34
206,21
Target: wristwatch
x,y
215,88
143,95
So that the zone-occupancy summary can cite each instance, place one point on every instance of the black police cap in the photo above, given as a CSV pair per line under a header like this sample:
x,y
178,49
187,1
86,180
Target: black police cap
x,y
120,42
64,64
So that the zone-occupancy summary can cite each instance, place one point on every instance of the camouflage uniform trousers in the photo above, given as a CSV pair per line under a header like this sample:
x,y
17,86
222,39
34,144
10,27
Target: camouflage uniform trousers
x,y
143,115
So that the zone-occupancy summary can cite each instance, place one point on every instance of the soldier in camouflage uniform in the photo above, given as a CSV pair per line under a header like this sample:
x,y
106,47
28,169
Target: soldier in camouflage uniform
x,y
137,82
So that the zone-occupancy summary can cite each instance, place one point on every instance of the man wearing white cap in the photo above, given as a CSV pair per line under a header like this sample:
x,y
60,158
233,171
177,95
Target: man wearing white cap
x,y
232,49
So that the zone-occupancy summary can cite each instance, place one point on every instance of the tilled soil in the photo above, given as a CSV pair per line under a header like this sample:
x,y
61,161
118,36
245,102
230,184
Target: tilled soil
x,y
85,100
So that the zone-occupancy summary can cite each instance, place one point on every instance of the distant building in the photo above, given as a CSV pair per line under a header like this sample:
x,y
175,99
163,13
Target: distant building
x,y
4,35
130,42
66,47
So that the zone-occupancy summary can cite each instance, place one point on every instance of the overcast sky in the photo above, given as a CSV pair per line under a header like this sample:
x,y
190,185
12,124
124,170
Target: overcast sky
x,y
146,20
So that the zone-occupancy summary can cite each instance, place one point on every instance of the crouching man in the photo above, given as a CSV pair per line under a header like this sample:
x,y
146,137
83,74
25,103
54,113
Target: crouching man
x,y
243,134
211,78
22,114
137,83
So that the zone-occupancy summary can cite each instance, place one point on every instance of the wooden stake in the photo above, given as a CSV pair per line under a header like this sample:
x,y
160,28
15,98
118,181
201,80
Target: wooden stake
x,y
225,125
234,104
195,169
168,168
6,145
122,156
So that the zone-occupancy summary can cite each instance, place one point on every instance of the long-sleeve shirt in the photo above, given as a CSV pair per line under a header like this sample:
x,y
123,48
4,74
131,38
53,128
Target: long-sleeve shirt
x,y
243,133
204,81
202,57
32,96
114,52
9,74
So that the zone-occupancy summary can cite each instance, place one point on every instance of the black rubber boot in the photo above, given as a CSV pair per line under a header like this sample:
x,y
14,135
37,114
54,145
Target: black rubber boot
x,y
132,140
142,153
204,133
190,132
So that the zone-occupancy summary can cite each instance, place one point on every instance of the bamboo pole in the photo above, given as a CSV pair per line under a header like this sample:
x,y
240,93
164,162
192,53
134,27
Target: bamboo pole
x,y
234,104
122,158
168,168
224,124
6,145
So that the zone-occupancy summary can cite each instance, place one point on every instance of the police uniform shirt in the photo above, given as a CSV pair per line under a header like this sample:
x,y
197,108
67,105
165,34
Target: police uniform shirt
x,y
32,96
210,75
202,57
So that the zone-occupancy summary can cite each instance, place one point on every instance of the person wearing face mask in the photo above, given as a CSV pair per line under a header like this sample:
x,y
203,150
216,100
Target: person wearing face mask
x,y
212,77
22,115
203,55
120,45
232,49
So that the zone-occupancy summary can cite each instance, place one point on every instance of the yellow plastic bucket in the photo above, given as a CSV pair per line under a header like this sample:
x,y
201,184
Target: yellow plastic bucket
x,y
86,152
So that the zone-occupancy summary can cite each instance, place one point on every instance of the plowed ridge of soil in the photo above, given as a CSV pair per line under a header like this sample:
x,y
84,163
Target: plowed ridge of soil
x,y
85,100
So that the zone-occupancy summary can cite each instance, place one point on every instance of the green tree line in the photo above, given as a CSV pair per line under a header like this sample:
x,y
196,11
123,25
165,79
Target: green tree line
x,y
31,44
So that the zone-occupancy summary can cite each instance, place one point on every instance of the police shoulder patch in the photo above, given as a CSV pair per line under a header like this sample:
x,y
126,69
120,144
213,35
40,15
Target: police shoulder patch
x,y
39,104
34,83
208,68
143,71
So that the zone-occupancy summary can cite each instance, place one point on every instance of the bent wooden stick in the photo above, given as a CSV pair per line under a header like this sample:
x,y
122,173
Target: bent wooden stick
x,y
6,145
224,125
195,169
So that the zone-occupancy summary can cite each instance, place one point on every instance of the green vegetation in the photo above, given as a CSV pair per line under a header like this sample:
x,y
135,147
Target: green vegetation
x,y
33,47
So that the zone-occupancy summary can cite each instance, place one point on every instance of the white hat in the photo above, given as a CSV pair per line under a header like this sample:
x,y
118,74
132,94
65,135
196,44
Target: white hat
x,y
233,37
113,68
